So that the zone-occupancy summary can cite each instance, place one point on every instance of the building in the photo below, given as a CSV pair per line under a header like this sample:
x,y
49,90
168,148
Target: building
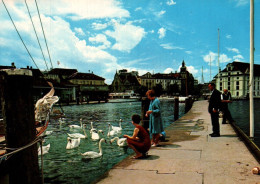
x,y
89,86
235,78
182,82
124,80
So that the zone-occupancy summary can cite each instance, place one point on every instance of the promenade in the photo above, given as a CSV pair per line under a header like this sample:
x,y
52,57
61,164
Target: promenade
x,y
191,156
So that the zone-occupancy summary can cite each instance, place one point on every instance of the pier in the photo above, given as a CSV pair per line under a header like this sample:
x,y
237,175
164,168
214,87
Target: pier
x,y
190,155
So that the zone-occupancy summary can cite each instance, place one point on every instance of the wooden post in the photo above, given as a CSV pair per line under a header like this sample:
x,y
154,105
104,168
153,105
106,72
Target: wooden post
x,y
187,105
176,108
145,107
18,115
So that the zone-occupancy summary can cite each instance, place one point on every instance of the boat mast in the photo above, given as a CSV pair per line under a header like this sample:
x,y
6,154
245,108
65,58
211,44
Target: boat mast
x,y
218,62
251,82
209,67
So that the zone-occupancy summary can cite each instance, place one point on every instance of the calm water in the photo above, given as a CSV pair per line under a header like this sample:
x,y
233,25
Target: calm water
x,y
240,113
67,166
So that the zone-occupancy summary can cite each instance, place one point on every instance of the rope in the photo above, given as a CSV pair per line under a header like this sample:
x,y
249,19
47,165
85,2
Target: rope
x,y
43,33
21,148
36,33
42,162
19,35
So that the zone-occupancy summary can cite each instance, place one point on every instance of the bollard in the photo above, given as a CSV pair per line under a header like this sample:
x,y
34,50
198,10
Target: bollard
x,y
187,105
176,108
145,107
18,115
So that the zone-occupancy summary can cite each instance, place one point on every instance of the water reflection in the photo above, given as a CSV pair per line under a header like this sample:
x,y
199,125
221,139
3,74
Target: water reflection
x,y
68,166
240,112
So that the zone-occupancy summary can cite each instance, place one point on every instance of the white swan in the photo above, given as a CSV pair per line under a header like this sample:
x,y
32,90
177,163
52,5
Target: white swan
x,y
120,142
72,143
95,134
92,154
79,135
49,132
76,126
111,132
92,128
117,129
45,149
61,120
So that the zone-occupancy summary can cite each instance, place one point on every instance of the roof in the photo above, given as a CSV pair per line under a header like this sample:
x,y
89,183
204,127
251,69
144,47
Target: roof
x,y
62,71
243,67
86,76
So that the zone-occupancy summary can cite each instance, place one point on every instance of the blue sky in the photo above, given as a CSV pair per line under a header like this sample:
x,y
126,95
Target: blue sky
x,y
146,36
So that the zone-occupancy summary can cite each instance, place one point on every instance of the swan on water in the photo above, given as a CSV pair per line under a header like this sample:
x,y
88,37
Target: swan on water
x,y
72,143
49,132
117,129
76,126
92,128
95,134
92,154
79,135
120,142
45,149
111,132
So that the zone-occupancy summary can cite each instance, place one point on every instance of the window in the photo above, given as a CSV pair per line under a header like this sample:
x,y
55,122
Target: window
x,y
228,87
237,77
237,82
237,93
237,87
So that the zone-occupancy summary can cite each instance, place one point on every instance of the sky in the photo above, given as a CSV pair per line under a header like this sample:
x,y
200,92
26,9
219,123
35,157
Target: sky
x,y
104,36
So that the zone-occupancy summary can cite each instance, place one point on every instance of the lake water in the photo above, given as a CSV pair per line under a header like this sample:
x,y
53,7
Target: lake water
x,y
240,113
67,166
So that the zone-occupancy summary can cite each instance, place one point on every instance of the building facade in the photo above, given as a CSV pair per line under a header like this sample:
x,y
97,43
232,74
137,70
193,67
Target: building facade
x,y
124,80
235,78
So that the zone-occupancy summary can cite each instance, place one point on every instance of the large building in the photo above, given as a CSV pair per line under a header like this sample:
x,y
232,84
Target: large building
x,y
235,78
124,80
183,81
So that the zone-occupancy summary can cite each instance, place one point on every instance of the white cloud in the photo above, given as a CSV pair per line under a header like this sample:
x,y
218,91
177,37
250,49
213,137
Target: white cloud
x,y
192,70
188,52
228,36
223,58
100,38
159,14
85,9
161,32
210,58
98,26
241,2
168,70
169,46
79,31
170,2
138,9
127,36
238,57
233,50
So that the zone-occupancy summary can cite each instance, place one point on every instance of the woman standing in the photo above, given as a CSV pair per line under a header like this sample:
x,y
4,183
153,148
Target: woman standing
x,y
155,121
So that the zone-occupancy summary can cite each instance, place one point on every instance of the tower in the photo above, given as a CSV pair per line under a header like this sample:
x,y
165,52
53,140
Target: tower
x,y
202,78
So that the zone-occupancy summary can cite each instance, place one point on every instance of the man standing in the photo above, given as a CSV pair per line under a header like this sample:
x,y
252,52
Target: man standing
x,y
225,99
214,107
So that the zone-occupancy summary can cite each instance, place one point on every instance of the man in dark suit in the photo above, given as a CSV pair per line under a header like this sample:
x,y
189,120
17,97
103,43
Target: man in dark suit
x,y
214,107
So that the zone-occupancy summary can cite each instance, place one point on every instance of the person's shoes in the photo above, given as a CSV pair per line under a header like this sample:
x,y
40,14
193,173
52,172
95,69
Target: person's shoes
x,y
211,134
215,135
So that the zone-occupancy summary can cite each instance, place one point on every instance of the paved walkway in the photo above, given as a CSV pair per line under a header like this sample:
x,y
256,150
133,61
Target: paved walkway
x,y
191,156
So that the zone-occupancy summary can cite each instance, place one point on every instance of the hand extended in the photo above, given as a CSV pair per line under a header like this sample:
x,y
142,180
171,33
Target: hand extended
x,y
148,112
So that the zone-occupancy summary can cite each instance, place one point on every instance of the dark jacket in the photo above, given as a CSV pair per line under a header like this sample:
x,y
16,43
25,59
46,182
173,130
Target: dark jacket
x,y
215,101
